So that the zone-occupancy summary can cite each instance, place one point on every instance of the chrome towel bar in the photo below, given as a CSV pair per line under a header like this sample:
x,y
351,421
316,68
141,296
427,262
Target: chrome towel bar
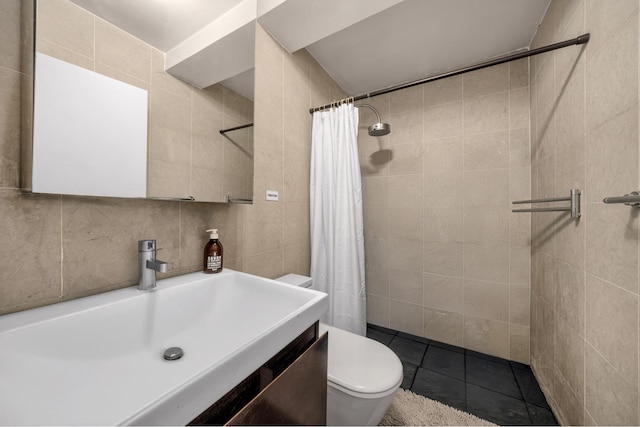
x,y
632,199
574,207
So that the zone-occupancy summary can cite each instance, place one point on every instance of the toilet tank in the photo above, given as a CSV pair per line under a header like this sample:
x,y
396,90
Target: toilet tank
x,y
296,279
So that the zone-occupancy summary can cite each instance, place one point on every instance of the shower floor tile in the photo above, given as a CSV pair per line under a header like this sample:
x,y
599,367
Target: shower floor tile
x,y
495,389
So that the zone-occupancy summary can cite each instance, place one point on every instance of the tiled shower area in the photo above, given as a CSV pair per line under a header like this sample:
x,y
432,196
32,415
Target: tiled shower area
x,y
448,261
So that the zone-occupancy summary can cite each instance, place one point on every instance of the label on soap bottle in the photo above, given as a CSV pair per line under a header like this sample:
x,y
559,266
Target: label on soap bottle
x,y
214,262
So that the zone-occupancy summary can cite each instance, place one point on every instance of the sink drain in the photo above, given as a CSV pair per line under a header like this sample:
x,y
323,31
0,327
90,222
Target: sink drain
x,y
173,353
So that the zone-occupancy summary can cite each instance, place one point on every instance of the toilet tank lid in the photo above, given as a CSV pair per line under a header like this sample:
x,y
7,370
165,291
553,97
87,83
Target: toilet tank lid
x,y
296,279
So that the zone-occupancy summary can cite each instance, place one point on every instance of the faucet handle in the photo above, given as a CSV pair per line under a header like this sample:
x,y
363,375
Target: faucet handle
x,y
146,245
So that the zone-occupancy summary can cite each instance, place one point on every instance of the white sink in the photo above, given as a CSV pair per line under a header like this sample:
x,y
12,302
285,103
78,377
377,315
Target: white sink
x,y
99,360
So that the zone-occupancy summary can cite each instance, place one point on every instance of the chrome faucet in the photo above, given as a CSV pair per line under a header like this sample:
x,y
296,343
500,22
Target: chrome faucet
x,y
148,265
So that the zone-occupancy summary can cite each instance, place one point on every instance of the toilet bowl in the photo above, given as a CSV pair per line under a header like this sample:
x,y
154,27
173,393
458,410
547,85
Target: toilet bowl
x,y
362,374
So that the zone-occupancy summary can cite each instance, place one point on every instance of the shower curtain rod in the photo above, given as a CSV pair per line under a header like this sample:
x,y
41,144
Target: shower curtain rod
x,y
583,39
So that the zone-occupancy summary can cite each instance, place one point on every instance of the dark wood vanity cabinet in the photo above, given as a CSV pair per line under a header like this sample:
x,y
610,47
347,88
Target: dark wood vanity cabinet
x,y
289,389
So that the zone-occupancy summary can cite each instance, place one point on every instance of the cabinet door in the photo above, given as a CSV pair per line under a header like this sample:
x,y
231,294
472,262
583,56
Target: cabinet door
x,y
298,396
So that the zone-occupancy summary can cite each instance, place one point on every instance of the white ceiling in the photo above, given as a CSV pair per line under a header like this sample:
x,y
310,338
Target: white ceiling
x,y
161,23
421,38
364,45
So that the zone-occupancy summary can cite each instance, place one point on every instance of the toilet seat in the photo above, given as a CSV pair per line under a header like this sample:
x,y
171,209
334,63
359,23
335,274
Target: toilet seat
x,y
357,379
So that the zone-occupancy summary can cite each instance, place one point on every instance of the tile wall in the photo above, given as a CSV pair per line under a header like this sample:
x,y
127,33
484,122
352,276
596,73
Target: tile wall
x,y
584,299
61,247
445,257
286,86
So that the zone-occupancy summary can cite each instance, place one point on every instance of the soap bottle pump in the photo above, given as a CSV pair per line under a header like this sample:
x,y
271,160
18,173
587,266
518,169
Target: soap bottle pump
x,y
213,254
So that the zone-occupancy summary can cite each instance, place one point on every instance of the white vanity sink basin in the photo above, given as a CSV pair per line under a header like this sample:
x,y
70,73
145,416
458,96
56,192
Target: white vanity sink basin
x,y
99,360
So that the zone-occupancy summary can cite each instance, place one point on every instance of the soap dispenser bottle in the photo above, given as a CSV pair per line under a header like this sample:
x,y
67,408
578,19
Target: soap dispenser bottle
x,y
212,254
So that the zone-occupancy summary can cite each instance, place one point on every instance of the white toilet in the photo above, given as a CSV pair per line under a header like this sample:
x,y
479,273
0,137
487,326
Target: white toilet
x,y
362,374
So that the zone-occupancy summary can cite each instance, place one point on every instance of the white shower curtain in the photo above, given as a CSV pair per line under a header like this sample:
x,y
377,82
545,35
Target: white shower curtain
x,y
337,236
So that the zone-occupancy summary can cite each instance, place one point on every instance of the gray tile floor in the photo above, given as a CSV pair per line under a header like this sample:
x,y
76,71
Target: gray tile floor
x,y
495,389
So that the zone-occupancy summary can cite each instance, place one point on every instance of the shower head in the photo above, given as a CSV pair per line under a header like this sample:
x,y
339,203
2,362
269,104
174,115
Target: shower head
x,y
379,128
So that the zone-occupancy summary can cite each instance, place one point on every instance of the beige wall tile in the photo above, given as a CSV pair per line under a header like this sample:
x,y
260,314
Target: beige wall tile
x,y
609,398
486,81
374,158
487,336
486,113
570,363
119,75
378,310
546,84
486,262
444,189
442,224
443,155
406,159
296,224
570,113
443,121
297,259
519,229
519,108
169,127
406,317
605,19
486,150
376,251
443,326
486,187
572,412
443,292
405,190
519,305
67,25
406,222
64,54
486,225
443,91
267,172
263,231
267,264
122,51
518,74
609,97
570,296
612,325
377,282
519,148
167,179
486,299
31,252
11,34
406,127
443,258
10,125
207,184
613,143
407,286
102,227
409,99
610,255
375,202
296,180
520,266
519,344
405,254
